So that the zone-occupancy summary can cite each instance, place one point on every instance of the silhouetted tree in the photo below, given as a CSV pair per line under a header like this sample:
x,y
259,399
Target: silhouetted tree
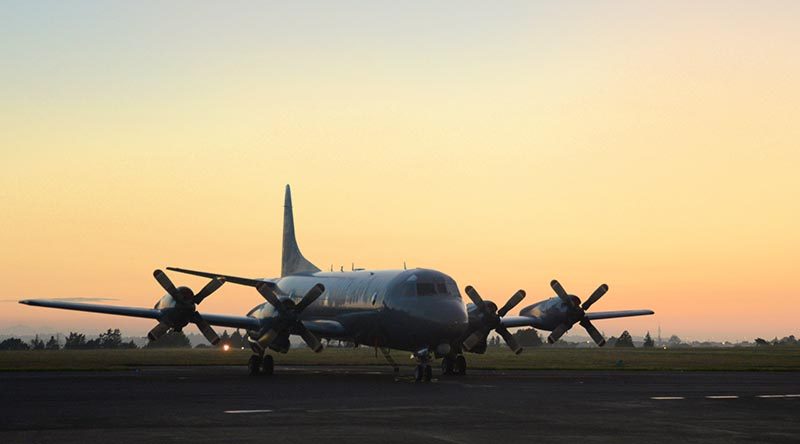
x,y
674,340
14,344
37,344
52,344
75,341
110,339
760,342
648,341
528,337
224,339
237,341
173,339
624,340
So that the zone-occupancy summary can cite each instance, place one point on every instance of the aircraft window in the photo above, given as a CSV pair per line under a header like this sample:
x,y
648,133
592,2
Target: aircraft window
x,y
425,289
441,288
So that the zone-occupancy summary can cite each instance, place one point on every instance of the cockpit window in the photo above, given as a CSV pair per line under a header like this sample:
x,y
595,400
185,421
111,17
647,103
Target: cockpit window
x,y
425,289
441,288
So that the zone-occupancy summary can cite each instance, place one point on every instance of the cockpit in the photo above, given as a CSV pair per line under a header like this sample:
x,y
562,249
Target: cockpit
x,y
425,283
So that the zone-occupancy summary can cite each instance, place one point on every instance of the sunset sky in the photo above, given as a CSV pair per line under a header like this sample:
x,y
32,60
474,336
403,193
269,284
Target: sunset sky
x,y
651,146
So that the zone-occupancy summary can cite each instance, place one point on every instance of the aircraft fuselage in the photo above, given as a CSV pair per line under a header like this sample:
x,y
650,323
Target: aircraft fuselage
x,y
399,309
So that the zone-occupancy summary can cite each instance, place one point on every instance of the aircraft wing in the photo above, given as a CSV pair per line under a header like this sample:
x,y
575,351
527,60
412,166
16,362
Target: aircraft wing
x,y
520,321
245,322
136,312
250,282
617,314
325,328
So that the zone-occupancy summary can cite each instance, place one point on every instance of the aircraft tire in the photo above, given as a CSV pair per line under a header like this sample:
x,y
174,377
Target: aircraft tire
x,y
268,366
254,365
460,367
448,365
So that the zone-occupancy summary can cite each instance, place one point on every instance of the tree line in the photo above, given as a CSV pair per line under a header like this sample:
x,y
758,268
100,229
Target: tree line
x,y
112,339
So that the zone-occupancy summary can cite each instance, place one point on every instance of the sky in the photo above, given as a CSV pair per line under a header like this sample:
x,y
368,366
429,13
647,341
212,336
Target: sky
x,y
651,146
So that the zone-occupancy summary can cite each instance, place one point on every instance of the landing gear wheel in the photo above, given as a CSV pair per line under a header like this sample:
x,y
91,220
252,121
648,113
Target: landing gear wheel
x,y
447,365
460,367
254,365
428,373
268,366
419,372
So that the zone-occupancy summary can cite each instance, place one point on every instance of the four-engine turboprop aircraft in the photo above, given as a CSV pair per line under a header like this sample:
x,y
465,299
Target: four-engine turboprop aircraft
x,y
417,310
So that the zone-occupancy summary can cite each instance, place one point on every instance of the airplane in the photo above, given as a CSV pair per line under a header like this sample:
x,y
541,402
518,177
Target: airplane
x,y
415,310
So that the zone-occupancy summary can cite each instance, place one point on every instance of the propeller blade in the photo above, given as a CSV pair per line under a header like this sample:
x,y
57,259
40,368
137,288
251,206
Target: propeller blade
x,y
562,294
516,299
270,296
510,340
266,339
557,333
475,339
206,329
309,298
475,298
166,284
593,332
310,338
208,289
158,331
601,290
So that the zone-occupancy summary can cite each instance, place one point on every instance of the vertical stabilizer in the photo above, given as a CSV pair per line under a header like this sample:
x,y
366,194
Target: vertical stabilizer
x,y
292,260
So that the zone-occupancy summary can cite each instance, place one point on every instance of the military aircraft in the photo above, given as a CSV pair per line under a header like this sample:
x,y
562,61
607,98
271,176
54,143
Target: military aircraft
x,y
416,310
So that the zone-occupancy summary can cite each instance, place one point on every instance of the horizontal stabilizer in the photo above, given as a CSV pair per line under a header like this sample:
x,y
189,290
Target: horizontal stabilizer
x,y
233,279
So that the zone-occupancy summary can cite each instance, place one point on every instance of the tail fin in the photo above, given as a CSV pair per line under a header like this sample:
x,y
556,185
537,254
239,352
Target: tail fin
x,y
292,260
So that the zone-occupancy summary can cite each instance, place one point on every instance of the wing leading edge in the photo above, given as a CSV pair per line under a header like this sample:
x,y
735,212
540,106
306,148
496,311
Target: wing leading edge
x,y
245,322
530,321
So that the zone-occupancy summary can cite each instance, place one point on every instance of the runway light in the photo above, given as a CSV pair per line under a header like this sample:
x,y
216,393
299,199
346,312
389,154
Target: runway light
x,y
226,347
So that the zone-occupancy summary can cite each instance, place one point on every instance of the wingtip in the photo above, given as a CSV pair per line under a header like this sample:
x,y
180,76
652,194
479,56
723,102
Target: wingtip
x,y
25,302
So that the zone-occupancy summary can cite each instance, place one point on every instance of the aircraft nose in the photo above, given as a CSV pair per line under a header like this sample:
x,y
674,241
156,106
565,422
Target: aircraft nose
x,y
448,315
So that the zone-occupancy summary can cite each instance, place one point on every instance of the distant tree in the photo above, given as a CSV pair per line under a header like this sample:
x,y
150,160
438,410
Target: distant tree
x,y
625,340
14,344
760,342
528,337
674,340
110,339
237,341
173,339
648,341
75,341
37,344
52,344
225,339
787,340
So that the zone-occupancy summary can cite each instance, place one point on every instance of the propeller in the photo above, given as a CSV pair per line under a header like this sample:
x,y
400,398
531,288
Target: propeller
x,y
576,313
489,319
288,318
179,307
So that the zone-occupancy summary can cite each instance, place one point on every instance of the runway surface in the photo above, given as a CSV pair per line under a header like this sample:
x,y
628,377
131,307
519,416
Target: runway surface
x,y
370,404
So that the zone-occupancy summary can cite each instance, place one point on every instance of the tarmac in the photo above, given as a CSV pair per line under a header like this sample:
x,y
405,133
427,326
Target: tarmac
x,y
326,404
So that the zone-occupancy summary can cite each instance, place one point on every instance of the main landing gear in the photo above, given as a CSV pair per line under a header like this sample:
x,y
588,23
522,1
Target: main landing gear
x,y
258,365
454,365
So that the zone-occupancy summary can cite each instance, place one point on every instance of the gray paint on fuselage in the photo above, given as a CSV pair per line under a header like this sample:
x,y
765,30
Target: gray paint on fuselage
x,y
381,307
